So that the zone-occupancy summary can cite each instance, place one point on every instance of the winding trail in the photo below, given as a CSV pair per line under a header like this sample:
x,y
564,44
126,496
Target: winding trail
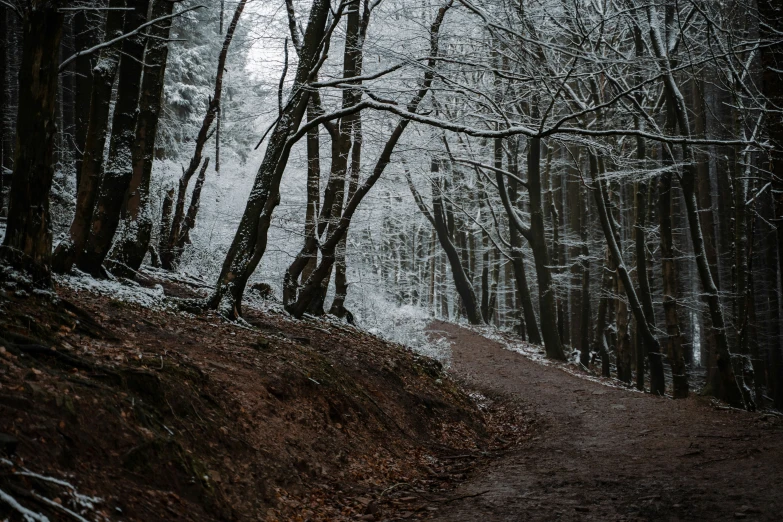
x,y
602,453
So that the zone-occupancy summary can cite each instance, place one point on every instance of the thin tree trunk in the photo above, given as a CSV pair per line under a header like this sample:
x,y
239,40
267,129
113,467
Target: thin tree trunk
x,y
195,202
537,240
85,36
585,309
729,387
651,342
313,189
169,256
772,81
535,235
340,278
530,322
312,286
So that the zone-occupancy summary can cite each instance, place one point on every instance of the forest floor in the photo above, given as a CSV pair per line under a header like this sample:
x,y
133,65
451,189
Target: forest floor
x,y
604,453
117,405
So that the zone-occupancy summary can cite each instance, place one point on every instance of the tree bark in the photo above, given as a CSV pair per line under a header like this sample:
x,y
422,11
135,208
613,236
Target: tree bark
x,y
772,81
651,342
119,168
249,242
537,240
169,256
28,239
728,387
104,73
136,229
312,285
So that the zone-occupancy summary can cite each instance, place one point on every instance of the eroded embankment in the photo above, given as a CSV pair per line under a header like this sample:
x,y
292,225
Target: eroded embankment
x,y
163,415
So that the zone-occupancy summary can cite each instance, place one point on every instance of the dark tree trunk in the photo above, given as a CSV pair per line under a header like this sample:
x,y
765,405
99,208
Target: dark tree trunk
x,y
313,189
772,80
249,242
28,239
70,251
599,340
537,240
670,287
6,150
518,259
119,168
651,343
536,236
340,278
585,309
86,35
312,286
136,230
729,386
195,202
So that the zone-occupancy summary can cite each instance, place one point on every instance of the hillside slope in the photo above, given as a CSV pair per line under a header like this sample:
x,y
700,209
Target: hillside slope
x,y
157,414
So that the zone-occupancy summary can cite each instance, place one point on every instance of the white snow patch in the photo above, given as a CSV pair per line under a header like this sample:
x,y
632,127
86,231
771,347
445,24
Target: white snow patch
x,y
122,290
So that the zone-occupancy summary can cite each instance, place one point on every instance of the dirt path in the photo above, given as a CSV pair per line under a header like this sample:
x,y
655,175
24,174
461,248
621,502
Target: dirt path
x,y
609,454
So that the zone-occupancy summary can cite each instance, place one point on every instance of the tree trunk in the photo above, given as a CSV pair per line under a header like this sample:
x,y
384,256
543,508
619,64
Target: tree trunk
x,y
530,322
313,189
651,342
772,81
28,239
6,150
170,256
729,387
340,278
195,202
104,73
86,36
136,230
537,240
312,286
249,242
585,309
119,168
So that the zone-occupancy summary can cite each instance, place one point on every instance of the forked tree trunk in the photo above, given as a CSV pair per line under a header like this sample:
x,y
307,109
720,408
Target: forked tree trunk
x,y
340,277
312,286
518,258
537,240
249,243
195,203
535,235
313,188
104,73
136,229
439,223
86,35
119,168
28,238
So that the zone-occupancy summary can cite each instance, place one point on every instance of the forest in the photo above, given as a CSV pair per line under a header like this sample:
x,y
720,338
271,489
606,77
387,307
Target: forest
x,y
598,182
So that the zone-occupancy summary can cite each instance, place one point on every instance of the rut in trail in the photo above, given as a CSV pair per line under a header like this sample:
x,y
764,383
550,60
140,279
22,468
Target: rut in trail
x,y
613,454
